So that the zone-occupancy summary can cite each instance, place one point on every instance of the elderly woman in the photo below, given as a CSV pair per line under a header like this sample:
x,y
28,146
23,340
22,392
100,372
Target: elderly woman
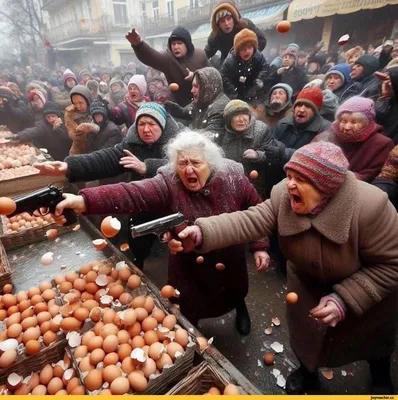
x,y
361,139
340,237
244,142
197,182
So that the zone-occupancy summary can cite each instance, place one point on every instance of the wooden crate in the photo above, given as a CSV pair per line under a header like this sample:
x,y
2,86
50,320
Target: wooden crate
x,y
5,269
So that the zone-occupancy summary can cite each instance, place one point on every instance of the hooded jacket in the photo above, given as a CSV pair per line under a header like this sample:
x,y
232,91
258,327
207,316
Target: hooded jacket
x,y
368,84
224,42
63,98
114,99
348,88
106,163
273,116
175,69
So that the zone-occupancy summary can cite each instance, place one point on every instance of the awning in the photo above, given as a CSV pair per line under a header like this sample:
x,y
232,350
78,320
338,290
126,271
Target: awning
x,y
308,9
264,18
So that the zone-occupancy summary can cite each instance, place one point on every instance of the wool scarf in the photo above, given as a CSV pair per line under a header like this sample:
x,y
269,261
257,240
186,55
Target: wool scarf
x,y
354,137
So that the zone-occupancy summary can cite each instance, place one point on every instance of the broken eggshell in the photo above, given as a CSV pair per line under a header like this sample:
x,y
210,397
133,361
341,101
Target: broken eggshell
x,y
47,258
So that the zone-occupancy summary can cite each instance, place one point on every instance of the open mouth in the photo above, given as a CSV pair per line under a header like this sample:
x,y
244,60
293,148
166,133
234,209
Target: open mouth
x,y
192,181
296,200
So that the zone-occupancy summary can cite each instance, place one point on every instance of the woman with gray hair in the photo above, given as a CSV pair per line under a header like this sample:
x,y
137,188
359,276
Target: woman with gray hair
x,y
198,182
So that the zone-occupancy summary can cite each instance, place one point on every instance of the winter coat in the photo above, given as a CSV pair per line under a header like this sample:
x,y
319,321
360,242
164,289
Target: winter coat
x,y
366,158
114,99
62,99
14,118
369,87
105,163
272,117
173,68
108,136
124,113
346,91
296,78
257,137
349,249
42,134
239,76
205,292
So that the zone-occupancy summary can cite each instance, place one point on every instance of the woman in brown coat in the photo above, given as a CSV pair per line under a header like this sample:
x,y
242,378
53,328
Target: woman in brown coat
x,y
340,237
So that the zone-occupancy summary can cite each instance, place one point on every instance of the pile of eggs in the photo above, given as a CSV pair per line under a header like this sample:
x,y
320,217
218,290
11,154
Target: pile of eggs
x,y
229,390
13,173
23,221
57,379
16,156
30,321
5,134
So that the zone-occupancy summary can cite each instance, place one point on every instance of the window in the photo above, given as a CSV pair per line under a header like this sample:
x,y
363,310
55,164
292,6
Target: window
x,y
120,12
155,7
170,8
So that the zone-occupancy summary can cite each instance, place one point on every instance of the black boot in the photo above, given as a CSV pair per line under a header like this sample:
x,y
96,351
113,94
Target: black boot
x,y
381,377
301,380
243,323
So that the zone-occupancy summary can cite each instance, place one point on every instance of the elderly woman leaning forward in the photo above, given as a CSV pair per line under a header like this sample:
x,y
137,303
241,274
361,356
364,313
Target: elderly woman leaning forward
x,y
199,183
340,237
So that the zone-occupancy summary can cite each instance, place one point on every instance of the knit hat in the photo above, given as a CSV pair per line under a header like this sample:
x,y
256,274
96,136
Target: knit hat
x,y
293,51
68,74
36,92
244,38
52,108
358,104
140,82
369,63
390,169
312,97
182,34
287,88
222,14
322,163
6,92
116,81
153,110
99,107
223,6
235,107
342,70
84,72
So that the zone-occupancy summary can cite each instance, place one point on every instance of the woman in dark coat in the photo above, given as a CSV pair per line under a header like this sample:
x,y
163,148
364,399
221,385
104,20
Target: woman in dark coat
x,y
196,182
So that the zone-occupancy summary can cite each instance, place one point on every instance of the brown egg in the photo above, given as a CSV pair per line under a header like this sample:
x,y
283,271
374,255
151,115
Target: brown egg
x,y
55,385
269,359
105,392
181,337
253,174
220,267
87,296
45,327
53,310
141,313
14,330
32,333
81,314
134,329
3,315
95,314
74,382
98,328
90,304
116,291
33,291
109,329
137,342
12,310
155,350
22,390
120,386
70,324
22,295
8,358
80,351
174,87
124,351
149,323
149,304
134,282
200,260
115,274
123,336
43,317
85,269
97,356
49,337
78,390
95,342
137,381
105,269
55,324
93,381
85,364
29,312
59,279
148,368
150,337
45,285
39,390
110,226
91,276
167,291
46,374
158,314
125,274
169,321
292,298
37,298
87,337
40,307
92,288
111,359
110,343
32,347
231,390
108,316
13,319
7,206
64,287
173,349
111,372
71,277
7,288
130,316
48,294
128,365
138,301
284,26
61,392
9,300
23,305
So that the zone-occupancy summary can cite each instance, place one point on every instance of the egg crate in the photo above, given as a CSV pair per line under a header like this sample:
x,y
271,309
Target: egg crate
x,y
28,236
200,379
5,269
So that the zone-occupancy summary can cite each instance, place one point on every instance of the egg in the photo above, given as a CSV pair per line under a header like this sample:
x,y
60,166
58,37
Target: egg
x,y
151,337
45,285
90,304
47,258
81,314
108,316
93,343
284,26
78,390
43,317
169,321
125,274
173,349
14,330
253,174
22,390
158,314
292,298
7,288
137,381
98,328
59,279
138,301
200,260
70,324
91,276
164,360
110,343
123,336
116,291
32,333
7,206
48,294
231,390
93,380
46,374
8,358
110,227
91,288
29,322
74,382
182,337
54,386
148,368
174,87
124,246
111,359
3,315
45,327
52,234
29,312
49,337
269,359
214,391
39,390
149,323
37,298
137,342
220,267
155,350
109,329
97,356
99,244
9,300
167,291
22,296
71,277
120,386
32,347
80,351
12,310
85,364
111,372
134,329
64,287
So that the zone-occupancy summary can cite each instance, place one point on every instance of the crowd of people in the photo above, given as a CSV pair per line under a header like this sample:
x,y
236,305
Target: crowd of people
x,y
302,146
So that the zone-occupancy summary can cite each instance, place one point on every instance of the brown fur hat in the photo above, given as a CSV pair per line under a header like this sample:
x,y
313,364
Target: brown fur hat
x,y
228,6
243,38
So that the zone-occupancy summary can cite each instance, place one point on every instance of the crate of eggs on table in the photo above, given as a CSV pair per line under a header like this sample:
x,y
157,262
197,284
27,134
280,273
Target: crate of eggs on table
x,y
30,334
59,378
120,339
16,160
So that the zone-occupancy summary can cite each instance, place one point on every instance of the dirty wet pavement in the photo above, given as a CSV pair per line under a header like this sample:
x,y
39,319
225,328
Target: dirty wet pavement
x,y
265,301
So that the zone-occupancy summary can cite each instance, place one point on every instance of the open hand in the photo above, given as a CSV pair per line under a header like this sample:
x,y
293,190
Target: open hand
x,y
134,37
262,260
189,77
132,162
75,203
52,168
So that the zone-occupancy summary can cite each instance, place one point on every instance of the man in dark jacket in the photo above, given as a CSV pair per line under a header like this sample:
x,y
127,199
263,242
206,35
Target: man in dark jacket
x,y
226,22
362,74
178,62
49,133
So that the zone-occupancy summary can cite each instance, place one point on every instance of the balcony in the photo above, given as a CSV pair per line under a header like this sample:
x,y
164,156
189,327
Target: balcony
x,y
153,25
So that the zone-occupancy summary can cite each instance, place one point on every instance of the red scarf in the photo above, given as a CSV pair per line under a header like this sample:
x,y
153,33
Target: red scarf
x,y
354,137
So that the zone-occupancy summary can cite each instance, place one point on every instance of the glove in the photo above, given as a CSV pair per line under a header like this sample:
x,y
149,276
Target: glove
x,y
274,151
174,109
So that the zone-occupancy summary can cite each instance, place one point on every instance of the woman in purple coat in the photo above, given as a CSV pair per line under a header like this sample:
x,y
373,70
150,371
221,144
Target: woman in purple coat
x,y
197,182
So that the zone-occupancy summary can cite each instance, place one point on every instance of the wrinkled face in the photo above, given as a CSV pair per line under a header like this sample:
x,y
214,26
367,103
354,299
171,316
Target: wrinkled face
x,y
148,130
278,97
357,71
116,88
304,197
178,48
352,123
333,82
240,122
193,169
246,53
303,113
195,90
98,118
226,24
288,60
70,83
134,93
312,67
80,103
51,118
37,102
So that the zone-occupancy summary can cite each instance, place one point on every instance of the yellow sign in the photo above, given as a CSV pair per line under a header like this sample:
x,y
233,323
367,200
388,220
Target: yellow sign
x,y
307,9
